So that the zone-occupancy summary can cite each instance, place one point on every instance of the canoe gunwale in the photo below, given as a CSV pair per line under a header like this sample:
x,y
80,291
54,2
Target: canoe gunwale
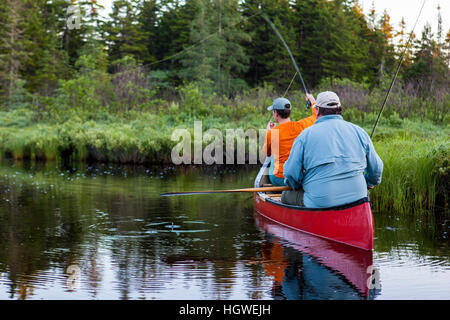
x,y
337,208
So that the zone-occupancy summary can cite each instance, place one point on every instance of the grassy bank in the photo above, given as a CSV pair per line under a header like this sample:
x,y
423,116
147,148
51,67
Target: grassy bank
x,y
415,154
412,137
416,173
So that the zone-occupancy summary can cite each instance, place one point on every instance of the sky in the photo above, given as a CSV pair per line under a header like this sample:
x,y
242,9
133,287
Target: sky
x,y
409,9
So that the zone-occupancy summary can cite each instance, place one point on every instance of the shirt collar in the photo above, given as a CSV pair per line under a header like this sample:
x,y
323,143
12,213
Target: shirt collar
x,y
329,117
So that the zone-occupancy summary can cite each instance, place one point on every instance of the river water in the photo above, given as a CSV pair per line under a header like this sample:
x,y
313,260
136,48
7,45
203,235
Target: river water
x,y
104,232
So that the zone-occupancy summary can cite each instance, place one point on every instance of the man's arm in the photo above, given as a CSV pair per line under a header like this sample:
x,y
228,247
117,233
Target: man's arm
x,y
374,168
293,167
267,147
267,144
306,122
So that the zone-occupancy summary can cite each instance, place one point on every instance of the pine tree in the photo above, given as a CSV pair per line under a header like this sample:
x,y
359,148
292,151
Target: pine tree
x,y
49,61
346,55
447,49
372,17
440,41
402,43
269,60
278,62
375,45
313,38
200,60
428,69
216,57
232,60
378,34
148,26
74,37
12,45
388,56
123,33
174,26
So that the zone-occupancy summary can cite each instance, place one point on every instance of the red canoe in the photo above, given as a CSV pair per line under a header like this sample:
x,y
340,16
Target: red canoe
x,y
351,224
355,264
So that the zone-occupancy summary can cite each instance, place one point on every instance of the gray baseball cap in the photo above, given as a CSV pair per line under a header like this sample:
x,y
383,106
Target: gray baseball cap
x,y
328,99
280,104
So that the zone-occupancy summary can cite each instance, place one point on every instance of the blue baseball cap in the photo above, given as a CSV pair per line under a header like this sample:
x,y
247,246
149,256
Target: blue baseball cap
x,y
280,104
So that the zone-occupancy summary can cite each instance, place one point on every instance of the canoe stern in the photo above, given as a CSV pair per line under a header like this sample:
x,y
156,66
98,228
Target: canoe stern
x,y
351,225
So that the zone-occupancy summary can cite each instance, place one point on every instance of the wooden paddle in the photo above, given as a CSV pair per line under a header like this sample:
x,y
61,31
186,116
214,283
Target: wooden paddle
x,y
262,189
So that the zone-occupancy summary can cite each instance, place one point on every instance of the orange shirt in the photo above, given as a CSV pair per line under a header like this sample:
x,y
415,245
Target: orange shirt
x,y
274,261
287,132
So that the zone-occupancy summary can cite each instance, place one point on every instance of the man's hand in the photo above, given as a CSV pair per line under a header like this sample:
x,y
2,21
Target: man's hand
x,y
270,126
310,98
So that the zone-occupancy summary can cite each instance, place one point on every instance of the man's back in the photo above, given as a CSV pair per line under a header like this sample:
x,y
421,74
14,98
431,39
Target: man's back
x,y
334,155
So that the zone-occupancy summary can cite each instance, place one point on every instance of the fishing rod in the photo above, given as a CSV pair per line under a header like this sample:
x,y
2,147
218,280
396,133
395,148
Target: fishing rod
x,y
396,71
308,104
261,189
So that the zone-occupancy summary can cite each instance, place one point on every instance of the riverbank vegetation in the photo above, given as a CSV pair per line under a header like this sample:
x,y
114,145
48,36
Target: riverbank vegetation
x,y
415,148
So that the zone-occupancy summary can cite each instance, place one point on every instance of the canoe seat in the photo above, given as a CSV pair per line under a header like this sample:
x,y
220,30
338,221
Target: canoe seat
x,y
273,195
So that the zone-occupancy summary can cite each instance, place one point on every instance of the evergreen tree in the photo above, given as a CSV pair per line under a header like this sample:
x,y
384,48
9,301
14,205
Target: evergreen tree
x,y
388,54
313,38
232,60
447,49
49,61
279,65
12,45
377,35
346,53
174,28
269,60
373,37
428,69
200,60
148,22
440,41
403,38
76,35
124,33
216,57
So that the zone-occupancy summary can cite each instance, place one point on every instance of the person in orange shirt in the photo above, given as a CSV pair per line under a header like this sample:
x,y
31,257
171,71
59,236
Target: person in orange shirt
x,y
278,143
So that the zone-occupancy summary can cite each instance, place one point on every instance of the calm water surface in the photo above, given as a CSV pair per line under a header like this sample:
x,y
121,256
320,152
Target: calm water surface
x,y
104,232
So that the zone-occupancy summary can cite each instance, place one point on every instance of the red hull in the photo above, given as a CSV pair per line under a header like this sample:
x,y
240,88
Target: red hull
x,y
352,225
353,263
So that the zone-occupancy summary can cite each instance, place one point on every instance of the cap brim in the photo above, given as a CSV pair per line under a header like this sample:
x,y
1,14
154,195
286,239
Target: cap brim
x,y
327,106
270,108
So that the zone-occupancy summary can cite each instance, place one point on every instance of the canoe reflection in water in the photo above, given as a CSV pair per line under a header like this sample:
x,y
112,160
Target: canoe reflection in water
x,y
307,267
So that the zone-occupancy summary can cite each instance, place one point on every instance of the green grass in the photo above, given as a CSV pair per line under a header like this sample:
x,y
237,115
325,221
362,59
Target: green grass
x,y
411,173
415,152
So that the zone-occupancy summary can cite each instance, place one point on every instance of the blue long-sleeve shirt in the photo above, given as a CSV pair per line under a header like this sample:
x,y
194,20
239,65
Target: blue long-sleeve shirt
x,y
334,161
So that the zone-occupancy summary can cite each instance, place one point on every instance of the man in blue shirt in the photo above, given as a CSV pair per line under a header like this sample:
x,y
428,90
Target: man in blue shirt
x,y
334,161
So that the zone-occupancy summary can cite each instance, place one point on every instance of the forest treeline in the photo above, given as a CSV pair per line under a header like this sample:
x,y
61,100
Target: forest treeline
x,y
147,49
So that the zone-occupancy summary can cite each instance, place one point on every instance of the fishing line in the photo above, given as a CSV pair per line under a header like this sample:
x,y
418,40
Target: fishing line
x,y
308,104
200,41
284,95
396,72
